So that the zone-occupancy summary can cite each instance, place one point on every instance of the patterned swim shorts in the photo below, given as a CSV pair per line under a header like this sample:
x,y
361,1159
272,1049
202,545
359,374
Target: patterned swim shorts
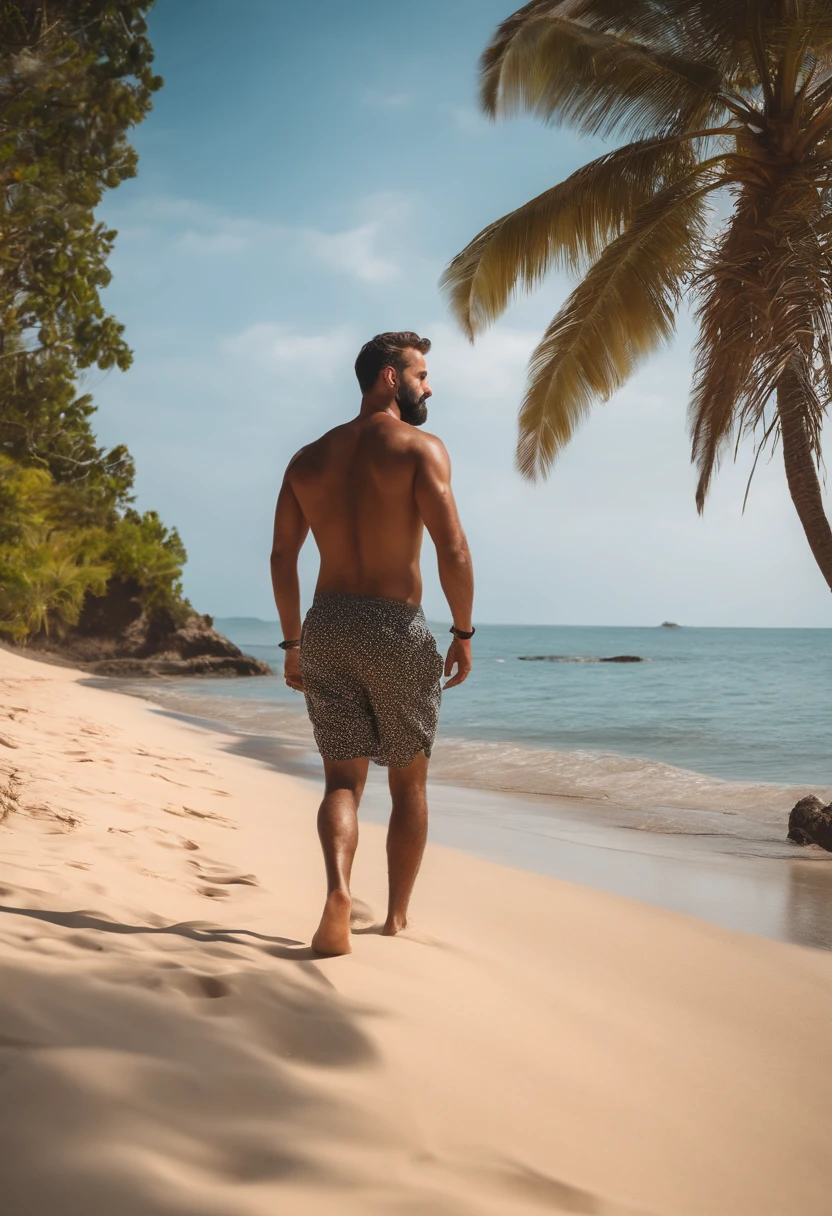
x,y
371,675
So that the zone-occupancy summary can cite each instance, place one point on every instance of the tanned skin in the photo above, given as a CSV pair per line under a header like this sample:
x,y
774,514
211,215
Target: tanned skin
x,y
367,490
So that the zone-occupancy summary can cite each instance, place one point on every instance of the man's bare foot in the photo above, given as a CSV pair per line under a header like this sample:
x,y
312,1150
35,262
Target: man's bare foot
x,y
394,925
333,933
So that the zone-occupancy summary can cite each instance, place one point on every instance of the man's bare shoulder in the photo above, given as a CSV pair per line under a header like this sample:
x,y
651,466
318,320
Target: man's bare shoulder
x,y
404,435
431,449
310,455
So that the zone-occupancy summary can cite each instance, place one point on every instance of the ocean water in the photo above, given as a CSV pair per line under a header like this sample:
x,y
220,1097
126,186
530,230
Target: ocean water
x,y
711,719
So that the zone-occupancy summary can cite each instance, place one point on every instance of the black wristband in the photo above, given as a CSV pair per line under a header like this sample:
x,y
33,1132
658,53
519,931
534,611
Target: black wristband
x,y
289,645
464,635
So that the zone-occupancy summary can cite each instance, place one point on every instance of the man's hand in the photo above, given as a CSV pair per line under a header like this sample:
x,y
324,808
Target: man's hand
x,y
291,669
459,656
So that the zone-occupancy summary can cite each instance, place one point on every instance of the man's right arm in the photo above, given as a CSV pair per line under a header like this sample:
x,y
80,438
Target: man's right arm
x,y
435,501
290,531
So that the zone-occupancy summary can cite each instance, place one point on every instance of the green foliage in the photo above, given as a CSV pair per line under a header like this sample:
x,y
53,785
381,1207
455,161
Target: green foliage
x,y
142,549
49,561
43,587
44,422
75,78
46,569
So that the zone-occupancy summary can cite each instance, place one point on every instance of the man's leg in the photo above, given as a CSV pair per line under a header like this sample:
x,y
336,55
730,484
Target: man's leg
x,y
406,837
338,832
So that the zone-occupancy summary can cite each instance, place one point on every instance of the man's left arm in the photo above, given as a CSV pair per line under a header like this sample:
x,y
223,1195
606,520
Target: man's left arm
x,y
290,531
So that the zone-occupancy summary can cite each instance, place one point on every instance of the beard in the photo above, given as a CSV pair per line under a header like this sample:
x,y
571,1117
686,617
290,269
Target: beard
x,y
412,406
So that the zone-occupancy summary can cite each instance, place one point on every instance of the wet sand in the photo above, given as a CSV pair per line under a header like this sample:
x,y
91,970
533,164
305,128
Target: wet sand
x,y
757,882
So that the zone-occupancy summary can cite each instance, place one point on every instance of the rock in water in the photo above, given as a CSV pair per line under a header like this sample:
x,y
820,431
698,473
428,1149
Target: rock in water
x,y
810,822
577,658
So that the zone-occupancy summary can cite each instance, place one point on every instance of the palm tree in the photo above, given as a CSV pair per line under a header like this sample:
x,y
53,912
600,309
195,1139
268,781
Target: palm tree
x,y
716,97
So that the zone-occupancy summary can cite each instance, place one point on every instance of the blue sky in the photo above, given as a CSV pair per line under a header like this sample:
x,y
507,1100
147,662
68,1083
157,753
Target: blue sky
x,y
305,175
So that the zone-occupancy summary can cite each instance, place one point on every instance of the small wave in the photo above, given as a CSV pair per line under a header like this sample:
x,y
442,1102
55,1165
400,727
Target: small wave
x,y
647,795
612,779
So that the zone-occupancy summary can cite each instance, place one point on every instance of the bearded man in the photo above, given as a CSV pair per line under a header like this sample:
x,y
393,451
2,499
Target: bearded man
x,y
364,657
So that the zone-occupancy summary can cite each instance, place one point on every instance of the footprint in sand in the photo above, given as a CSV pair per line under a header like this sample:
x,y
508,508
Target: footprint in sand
x,y
85,942
188,812
42,811
224,876
210,985
170,780
361,915
170,840
213,892
192,983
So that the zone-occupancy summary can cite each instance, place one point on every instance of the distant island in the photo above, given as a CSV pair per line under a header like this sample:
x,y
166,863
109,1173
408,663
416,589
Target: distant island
x,y
669,625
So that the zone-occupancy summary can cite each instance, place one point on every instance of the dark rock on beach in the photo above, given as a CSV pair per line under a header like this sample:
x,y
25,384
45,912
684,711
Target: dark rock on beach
x,y
810,822
115,638
198,665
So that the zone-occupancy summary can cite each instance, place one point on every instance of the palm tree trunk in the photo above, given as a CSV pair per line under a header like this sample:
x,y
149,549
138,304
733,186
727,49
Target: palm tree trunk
x,y
802,473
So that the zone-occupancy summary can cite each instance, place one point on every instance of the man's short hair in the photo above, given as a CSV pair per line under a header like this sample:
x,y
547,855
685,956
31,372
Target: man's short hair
x,y
386,350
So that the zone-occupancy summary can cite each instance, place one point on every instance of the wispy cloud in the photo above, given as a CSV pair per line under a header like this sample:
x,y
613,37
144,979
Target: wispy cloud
x,y
465,118
492,371
231,240
362,250
320,355
381,100
355,251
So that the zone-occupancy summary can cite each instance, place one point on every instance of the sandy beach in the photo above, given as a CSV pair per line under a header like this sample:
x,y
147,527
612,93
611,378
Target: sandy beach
x,y
171,1044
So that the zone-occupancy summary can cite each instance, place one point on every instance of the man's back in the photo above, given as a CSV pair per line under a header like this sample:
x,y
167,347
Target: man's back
x,y
356,488
364,656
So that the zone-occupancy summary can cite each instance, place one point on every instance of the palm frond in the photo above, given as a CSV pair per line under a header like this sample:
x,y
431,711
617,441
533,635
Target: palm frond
x,y
491,60
707,32
568,225
766,305
719,30
622,310
564,71
724,360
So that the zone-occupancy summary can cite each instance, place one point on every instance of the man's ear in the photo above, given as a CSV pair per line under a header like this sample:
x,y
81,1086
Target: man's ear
x,y
390,377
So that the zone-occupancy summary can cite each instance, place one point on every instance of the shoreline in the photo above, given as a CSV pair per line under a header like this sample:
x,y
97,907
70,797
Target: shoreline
x,y
525,1044
736,884
644,792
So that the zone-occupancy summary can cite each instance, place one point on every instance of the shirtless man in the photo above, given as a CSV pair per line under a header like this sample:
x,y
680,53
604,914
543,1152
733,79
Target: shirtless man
x,y
365,658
